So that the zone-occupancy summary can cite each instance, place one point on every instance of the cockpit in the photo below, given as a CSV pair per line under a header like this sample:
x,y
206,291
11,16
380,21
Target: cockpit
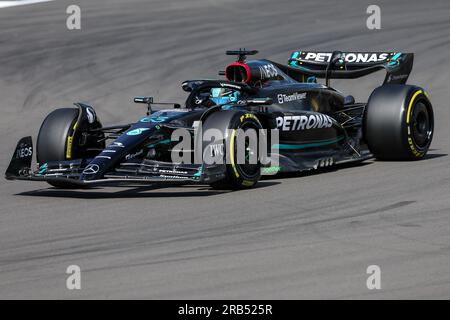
x,y
207,93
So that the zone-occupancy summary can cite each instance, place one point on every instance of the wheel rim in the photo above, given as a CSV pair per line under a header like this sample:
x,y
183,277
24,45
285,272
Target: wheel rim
x,y
248,170
421,125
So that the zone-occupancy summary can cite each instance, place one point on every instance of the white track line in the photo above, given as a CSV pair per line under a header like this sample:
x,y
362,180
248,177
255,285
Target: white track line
x,y
6,4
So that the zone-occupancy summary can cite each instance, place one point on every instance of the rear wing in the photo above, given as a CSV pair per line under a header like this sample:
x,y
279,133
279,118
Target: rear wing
x,y
351,65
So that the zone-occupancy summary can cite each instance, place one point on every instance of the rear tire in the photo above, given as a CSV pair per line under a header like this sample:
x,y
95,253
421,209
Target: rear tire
x,y
53,138
398,122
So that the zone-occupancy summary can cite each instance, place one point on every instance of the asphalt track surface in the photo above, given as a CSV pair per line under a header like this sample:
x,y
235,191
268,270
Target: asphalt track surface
x,y
306,236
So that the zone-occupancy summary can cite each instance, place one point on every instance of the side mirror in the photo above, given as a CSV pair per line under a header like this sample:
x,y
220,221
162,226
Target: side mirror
x,y
149,101
144,100
259,102
349,100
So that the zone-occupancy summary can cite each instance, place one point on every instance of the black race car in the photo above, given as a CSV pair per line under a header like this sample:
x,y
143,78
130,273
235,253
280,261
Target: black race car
x,y
301,125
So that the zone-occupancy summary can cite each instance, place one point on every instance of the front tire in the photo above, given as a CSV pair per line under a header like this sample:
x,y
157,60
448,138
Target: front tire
x,y
398,122
52,142
241,175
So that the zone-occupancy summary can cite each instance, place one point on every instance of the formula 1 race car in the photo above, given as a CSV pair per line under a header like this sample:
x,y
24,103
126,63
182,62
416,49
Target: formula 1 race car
x,y
307,125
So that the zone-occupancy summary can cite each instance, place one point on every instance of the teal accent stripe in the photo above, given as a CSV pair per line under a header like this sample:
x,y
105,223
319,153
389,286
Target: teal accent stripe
x,y
294,56
159,142
394,59
307,145
198,173
396,56
294,64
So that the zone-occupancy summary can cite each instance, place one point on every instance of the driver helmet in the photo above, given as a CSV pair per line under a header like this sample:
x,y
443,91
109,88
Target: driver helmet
x,y
223,96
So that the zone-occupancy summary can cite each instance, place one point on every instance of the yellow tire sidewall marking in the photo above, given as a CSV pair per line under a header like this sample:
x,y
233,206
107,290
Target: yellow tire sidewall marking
x,y
70,142
233,165
408,115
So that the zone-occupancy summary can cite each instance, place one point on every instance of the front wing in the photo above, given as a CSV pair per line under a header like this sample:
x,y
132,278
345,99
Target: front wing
x,y
143,172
